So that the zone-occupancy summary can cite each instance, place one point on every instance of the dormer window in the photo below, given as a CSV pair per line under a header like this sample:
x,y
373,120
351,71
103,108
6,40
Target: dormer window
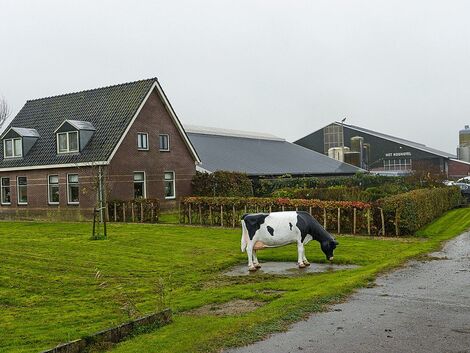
x,y
17,141
13,148
73,136
67,142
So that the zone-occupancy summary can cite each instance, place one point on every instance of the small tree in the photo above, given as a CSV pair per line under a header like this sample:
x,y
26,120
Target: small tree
x,y
4,111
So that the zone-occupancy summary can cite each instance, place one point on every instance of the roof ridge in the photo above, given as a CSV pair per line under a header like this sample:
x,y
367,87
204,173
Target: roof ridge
x,y
93,89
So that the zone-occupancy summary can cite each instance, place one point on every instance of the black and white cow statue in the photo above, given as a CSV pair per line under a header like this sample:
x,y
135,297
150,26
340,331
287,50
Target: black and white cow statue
x,y
270,230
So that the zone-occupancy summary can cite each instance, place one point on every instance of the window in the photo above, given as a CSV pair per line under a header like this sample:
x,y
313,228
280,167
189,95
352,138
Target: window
x,y
332,137
13,148
139,185
164,142
53,189
397,164
142,141
169,184
6,196
22,190
67,142
73,191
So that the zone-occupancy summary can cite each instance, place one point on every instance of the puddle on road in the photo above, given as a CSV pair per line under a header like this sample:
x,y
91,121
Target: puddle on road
x,y
286,268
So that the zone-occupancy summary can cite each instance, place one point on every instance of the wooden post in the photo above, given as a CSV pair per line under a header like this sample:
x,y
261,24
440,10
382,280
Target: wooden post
x,y
106,215
282,208
354,221
123,211
310,210
189,214
200,214
339,220
132,212
324,218
210,216
245,210
368,221
179,212
397,230
257,209
152,212
115,212
141,212
233,216
221,215
383,220
296,208
270,209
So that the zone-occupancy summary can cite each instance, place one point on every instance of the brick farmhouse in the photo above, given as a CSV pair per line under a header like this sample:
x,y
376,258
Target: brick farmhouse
x,y
53,150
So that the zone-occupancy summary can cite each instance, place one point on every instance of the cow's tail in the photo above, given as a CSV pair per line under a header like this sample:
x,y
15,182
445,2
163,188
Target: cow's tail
x,y
244,236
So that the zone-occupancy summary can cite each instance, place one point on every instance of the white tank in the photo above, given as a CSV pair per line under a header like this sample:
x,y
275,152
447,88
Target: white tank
x,y
337,153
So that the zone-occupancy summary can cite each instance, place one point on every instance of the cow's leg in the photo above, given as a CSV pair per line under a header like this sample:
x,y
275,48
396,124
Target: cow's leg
x,y
300,252
255,260
249,251
305,261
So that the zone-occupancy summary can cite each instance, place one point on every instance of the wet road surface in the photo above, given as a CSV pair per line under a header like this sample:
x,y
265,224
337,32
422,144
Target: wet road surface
x,y
424,307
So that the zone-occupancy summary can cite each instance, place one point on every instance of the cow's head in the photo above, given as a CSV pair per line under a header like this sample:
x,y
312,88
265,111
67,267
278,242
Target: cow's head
x,y
328,246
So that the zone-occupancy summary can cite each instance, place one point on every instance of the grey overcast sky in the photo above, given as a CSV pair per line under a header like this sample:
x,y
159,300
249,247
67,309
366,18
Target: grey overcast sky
x,y
282,67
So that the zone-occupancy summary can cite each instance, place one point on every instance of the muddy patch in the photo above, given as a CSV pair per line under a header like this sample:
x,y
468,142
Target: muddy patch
x,y
233,307
286,268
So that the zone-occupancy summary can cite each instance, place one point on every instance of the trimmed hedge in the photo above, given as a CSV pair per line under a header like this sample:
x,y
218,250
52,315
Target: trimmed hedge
x,y
416,208
221,183
400,214
266,187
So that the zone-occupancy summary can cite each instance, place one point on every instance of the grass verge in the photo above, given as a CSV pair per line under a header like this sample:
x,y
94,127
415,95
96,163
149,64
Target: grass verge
x,y
57,285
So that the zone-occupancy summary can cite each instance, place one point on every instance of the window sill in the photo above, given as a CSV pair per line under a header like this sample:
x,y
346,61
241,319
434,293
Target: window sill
x,y
73,203
143,150
53,203
22,204
164,150
6,204
170,198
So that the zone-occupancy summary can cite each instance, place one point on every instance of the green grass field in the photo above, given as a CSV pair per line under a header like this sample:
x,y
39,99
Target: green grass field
x,y
57,285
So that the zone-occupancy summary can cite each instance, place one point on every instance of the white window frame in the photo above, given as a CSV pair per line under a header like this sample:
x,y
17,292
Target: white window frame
x,y
174,184
67,133
68,190
18,190
147,138
49,189
13,148
159,146
144,182
1,190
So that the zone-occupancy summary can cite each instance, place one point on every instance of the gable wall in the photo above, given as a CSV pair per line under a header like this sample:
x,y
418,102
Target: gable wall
x,y
154,120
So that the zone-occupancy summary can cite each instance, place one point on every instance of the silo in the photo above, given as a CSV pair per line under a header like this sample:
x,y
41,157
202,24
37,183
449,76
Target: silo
x,y
357,145
463,151
464,137
353,158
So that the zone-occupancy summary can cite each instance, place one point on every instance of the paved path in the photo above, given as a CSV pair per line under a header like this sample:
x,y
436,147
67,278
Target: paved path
x,y
424,307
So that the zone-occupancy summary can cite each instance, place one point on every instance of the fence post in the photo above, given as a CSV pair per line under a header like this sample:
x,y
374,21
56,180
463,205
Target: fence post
x,y
132,212
200,214
282,208
245,210
141,212
233,216
179,212
210,216
189,214
310,210
324,218
257,209
221,215
152,213
124,212
115,212
339,220
383,220
354,221
397,230
368,221
270,209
